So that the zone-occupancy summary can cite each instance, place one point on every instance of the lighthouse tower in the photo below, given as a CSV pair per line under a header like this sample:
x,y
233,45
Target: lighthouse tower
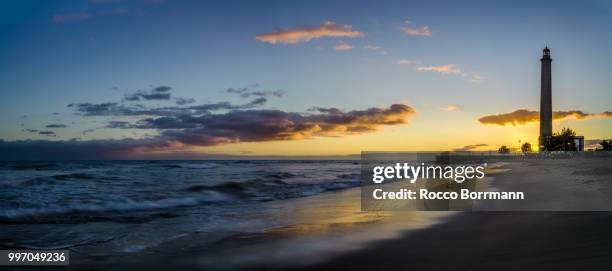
x,y
545,100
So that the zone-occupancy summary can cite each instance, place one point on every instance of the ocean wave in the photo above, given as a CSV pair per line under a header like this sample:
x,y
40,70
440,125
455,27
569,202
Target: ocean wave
x,y
275,189
188,165
35,166
46,180
53,212
280,175
349,176
134,190
80,176
271,186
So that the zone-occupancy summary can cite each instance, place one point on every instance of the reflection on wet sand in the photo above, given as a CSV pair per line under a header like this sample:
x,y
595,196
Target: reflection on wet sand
x,y
321,227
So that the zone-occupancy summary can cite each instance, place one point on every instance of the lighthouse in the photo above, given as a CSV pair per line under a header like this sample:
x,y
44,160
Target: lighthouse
x,y
545,100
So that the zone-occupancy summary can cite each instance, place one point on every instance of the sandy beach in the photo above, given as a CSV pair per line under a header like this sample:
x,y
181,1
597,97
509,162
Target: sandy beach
x,y
517,240
488,240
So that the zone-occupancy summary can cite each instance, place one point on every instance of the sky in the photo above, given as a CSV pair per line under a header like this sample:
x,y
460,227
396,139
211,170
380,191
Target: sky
x,y
119,79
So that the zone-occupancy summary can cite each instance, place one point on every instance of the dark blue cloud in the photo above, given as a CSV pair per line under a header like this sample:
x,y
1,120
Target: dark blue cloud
x,y
157,93
56,126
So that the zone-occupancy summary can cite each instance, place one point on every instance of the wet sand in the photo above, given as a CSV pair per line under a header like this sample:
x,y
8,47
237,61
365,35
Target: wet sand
x,y
525,240
323,227
493,241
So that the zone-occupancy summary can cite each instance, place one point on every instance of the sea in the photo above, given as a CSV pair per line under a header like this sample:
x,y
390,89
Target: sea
x,y
107,210
76,203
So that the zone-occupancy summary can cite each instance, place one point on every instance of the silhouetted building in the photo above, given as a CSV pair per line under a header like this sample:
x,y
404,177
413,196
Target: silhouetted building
x,y
548,141
545,100
579,142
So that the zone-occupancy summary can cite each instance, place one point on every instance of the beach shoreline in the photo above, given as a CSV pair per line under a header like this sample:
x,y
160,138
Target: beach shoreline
x,y
508,240
492,240
330,231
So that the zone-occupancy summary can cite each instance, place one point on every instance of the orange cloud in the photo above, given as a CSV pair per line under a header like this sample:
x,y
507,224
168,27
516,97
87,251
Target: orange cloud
x,y
292,36
444,69
525,116
272,125
343,47
471,147
417,31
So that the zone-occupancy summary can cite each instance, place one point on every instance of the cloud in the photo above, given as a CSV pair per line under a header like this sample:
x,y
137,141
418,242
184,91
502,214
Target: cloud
x,y
157,93
47,133
118,124
256,102
63,18
444,69
293,36
183,131
451,107
343,47
447,69
412,30
329,120
417,31
76,149
56,126
117,109
376,48
331,110
408,62
248,92
35,131
268,125
89,109
471,147
183,101
87,131
525,116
